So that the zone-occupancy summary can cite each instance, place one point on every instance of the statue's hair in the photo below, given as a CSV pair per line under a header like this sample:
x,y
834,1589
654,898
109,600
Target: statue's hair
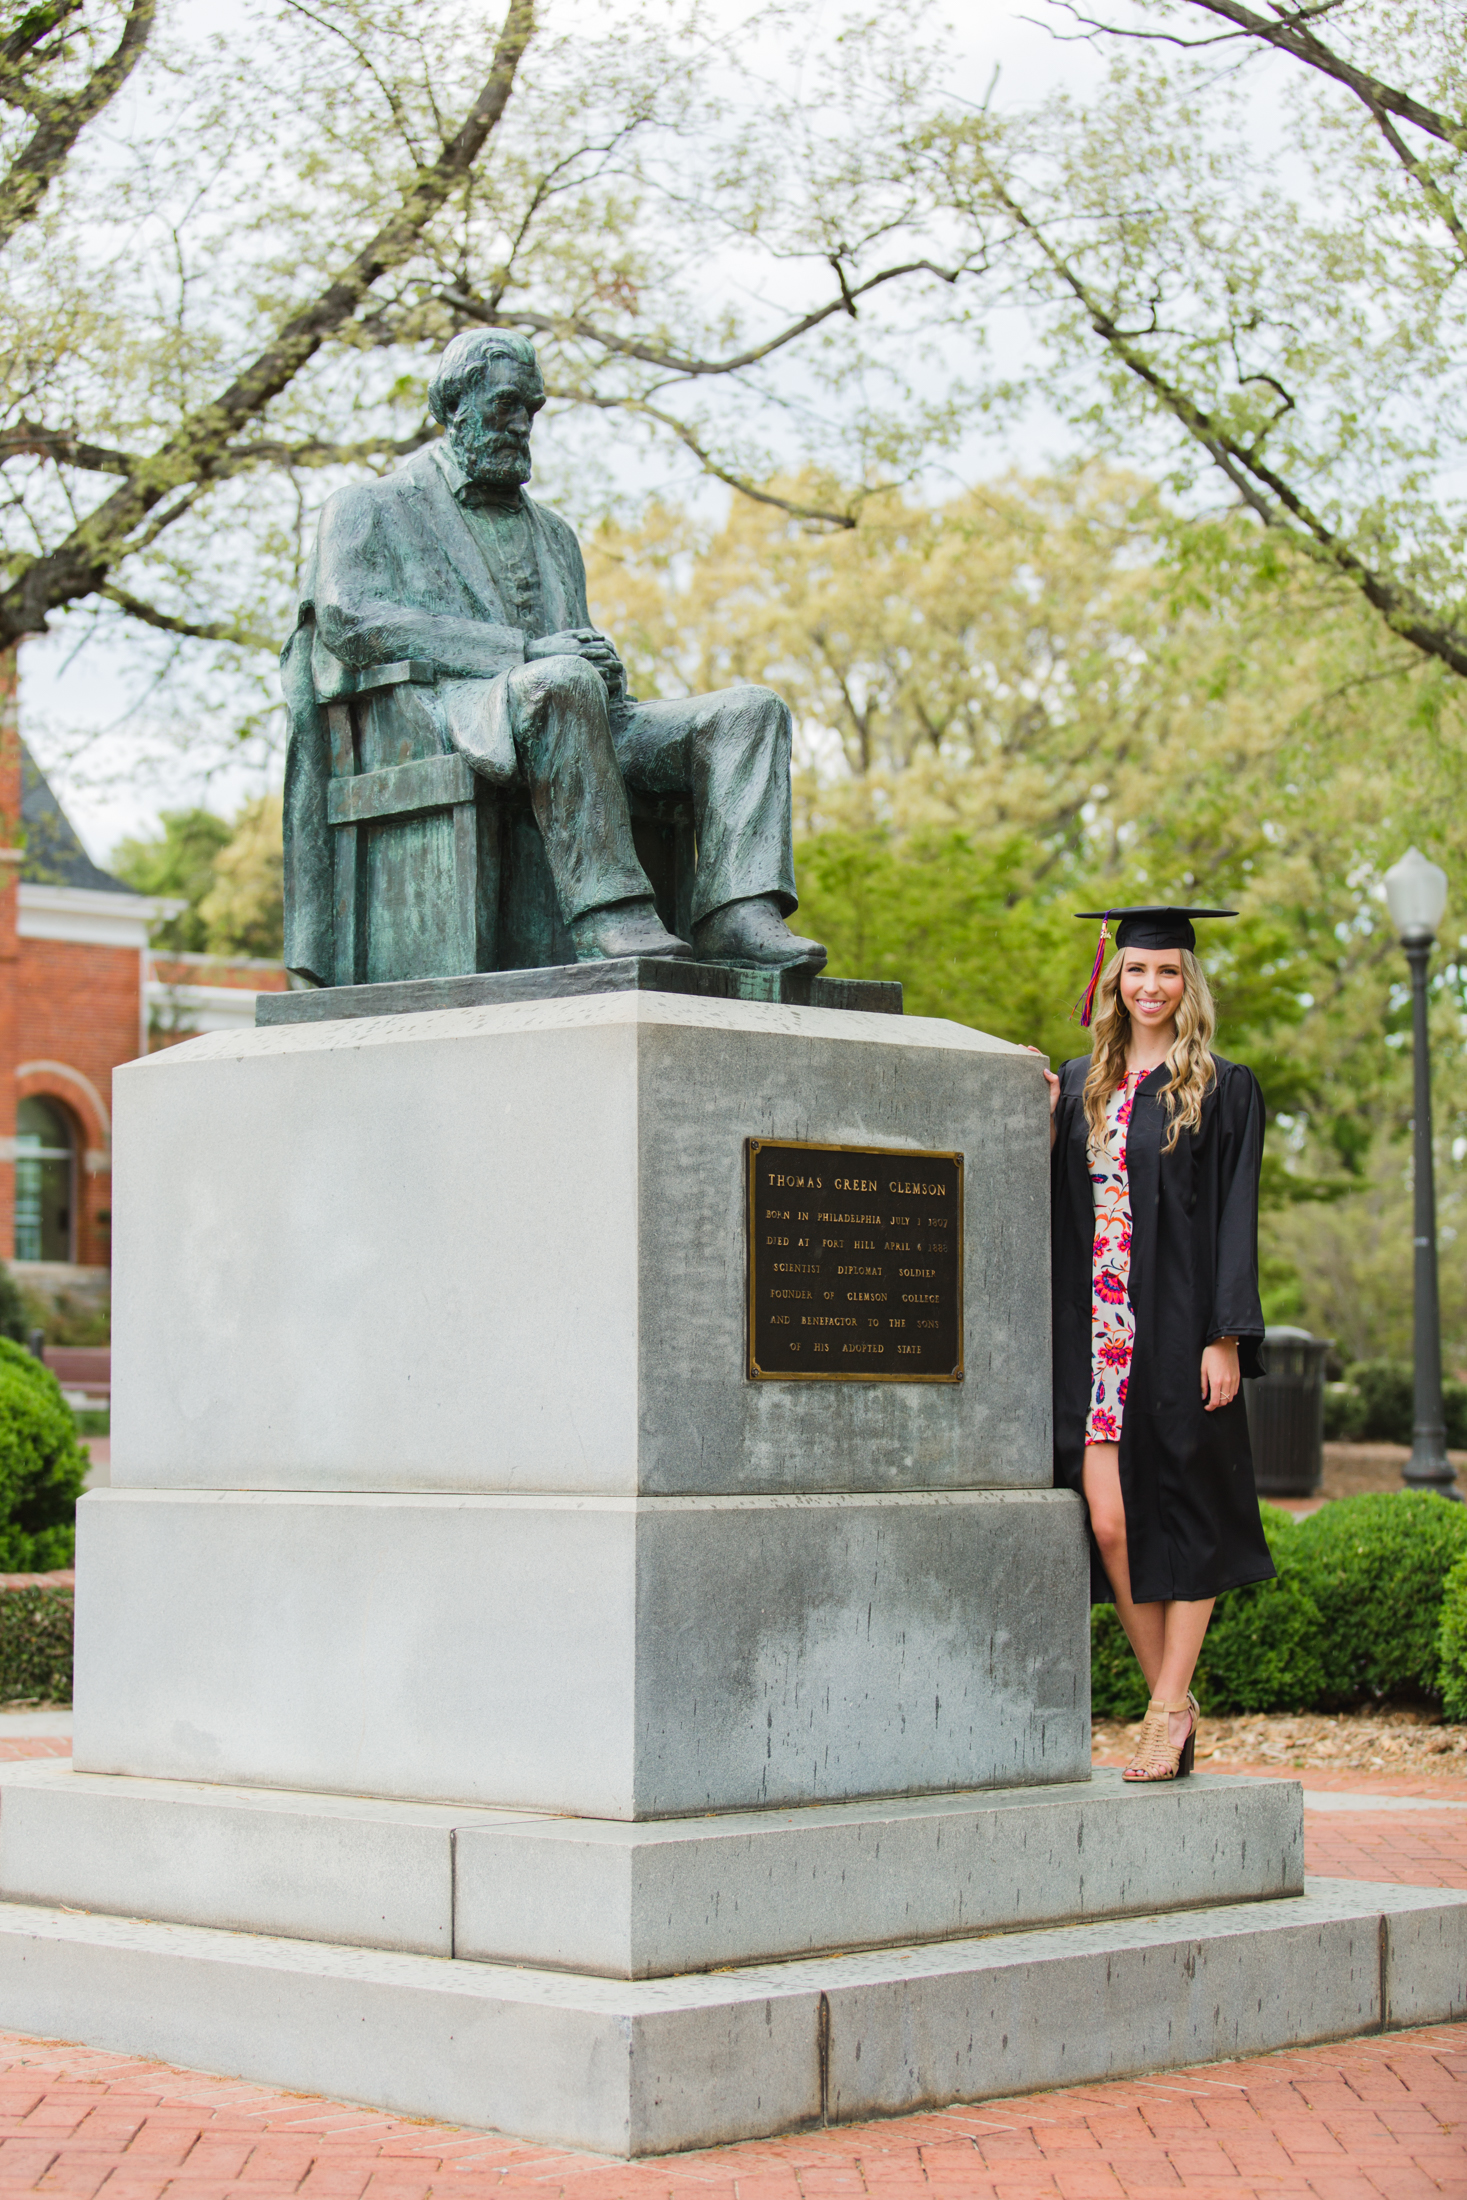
x,y
1189,1057
466,361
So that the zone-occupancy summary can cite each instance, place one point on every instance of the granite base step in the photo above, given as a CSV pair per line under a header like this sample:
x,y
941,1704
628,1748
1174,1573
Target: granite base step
x,y
639,2067
645,1898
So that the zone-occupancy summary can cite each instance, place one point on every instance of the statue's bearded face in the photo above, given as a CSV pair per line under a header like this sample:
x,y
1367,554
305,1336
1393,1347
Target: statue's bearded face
x,y
490,432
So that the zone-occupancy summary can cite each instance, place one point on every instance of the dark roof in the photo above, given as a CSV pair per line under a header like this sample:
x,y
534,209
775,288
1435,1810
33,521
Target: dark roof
x,y
54,856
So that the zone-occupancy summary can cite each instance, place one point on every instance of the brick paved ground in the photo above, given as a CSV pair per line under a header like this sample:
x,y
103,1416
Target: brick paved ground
x,y
1380,2117
1418,1849
1377,2119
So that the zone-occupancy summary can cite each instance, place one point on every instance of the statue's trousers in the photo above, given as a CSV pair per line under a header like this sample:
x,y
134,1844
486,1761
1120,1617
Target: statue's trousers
x,y
729,754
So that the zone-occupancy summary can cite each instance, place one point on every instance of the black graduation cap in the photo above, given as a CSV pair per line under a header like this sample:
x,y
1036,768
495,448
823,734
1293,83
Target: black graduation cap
x,y
1152,926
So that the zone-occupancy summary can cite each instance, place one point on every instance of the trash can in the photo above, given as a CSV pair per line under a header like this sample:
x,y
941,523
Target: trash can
x,y
1286,1414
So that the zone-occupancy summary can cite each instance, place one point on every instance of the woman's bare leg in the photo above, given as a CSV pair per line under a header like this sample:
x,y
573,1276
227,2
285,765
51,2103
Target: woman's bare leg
x,y
1145,1624
1167,1638
1185,1626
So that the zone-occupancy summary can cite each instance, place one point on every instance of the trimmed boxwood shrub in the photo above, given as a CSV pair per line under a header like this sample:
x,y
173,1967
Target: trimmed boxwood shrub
x,y
35,1644
1385,1391
1261,1652
1117,1690
1376,1405
1376,1567
1451,1643
1360,1609
42,1467
1344,1414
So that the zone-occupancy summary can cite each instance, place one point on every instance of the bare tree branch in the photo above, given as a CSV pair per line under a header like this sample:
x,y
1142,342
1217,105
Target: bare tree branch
x,y
1263,491
1092,28
685,363
364,61
24,51
1417,170
317,452
29,440
1289,31
61,122
642,410
200,450
226,630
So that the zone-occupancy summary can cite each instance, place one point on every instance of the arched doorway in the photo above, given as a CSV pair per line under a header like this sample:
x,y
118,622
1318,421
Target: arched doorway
x,y
45,1182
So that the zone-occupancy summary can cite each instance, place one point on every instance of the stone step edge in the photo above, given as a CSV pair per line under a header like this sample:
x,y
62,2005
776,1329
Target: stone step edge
x,y
644,2067
646,1899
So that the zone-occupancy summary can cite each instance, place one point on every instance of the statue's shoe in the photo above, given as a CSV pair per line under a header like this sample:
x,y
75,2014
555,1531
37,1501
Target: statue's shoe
x,y
627,928
754,934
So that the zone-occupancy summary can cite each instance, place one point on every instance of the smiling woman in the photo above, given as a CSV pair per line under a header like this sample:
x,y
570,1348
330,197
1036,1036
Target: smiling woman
x,y
1156,1148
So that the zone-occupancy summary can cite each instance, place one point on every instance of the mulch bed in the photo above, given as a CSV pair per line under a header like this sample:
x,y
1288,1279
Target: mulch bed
x,y
1394,1740
1355,1470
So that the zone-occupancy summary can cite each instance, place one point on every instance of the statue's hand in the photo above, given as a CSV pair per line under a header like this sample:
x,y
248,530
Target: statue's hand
x,y
584,641
581,641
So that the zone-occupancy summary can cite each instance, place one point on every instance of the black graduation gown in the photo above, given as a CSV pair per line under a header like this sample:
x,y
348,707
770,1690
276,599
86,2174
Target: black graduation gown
x,y
1192,1524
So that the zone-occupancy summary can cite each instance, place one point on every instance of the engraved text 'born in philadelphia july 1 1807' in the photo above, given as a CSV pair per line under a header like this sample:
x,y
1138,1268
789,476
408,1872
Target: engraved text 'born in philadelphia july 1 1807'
x,y
855,1264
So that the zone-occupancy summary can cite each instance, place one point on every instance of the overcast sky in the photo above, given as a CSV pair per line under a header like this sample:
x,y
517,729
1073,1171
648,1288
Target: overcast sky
x,y
66,688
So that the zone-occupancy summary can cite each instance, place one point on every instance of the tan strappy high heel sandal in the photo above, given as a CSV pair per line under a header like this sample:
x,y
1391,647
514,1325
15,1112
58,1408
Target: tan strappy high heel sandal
x,y
1155,1758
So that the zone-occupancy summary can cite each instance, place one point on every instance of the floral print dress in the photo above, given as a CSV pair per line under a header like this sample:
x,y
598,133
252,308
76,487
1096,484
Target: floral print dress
x,y
1112,1317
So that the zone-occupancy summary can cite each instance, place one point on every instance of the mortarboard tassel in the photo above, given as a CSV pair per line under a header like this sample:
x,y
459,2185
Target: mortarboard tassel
x,y
1088,1004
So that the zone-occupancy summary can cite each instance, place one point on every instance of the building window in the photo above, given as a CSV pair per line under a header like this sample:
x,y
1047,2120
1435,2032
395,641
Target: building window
x,y
45,1169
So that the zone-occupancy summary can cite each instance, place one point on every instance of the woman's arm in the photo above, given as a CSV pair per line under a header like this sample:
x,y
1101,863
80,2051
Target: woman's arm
x,y
1237,1314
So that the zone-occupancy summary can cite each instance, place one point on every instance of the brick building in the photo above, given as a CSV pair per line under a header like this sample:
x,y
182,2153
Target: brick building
x,y
79,994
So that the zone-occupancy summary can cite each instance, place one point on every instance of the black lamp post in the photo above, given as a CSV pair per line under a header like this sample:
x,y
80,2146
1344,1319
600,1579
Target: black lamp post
x,y
1417,893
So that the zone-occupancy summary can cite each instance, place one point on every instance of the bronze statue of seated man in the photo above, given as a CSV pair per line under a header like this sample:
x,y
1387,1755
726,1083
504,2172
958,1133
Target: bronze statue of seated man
x,y
447,564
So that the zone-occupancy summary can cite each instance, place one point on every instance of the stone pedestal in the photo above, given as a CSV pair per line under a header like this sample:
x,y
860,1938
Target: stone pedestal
x,y
619,1657
502,1249
492,1705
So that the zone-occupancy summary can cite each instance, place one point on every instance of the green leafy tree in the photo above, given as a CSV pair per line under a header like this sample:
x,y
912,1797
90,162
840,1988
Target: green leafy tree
x,y
177,865
230,876
1051,694
243,912
233,306
59,68
1254,238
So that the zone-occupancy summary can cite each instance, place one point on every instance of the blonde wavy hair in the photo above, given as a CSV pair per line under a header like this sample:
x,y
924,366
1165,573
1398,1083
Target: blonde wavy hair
x,y
1190,1055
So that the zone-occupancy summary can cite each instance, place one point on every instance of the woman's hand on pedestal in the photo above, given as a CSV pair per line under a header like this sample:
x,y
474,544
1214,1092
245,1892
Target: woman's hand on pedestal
x,y
1054,1092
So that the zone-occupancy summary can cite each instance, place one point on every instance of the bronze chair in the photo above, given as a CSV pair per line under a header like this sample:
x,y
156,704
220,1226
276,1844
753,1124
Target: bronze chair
x,y
437,872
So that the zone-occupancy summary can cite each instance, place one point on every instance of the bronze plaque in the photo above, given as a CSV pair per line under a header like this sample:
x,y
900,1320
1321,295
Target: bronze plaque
x,y
855,1264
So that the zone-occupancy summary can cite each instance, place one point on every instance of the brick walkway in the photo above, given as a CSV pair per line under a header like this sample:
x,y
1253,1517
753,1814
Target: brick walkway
x,y
1379,2117
1376,2119
1421,1849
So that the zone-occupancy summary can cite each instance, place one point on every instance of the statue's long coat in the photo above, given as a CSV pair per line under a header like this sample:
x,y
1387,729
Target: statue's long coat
x,y
396,573
1192,1522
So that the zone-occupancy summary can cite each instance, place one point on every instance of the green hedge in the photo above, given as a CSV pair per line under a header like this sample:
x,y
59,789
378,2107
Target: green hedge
x,y
1376,1405
1360,1610
35,1644
42,1467
1452,1642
